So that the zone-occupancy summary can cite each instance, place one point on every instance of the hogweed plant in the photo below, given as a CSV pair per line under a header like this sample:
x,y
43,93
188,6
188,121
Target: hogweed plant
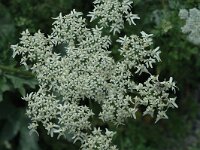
x,y
192,25
87,70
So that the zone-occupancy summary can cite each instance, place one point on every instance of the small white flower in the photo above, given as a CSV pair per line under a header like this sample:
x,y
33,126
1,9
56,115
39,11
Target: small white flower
x,y
86,70
192,25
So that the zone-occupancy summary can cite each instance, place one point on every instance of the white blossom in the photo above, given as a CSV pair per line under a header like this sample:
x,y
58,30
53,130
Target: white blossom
x,y
111,13
86,70
98,141
192,25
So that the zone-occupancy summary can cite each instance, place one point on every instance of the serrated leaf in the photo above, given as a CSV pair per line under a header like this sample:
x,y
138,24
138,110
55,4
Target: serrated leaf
x,y
19,83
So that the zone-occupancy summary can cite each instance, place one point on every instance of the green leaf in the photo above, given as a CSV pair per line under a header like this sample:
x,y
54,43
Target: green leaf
x,y
19,83
27,141
6,109
4,86
11,126
1,96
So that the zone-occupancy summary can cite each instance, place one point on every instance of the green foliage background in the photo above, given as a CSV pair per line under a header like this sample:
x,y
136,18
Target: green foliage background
x,y
180,59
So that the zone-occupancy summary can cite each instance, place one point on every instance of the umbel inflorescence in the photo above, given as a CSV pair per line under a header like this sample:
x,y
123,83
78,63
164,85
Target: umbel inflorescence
x,y
87,70
192,25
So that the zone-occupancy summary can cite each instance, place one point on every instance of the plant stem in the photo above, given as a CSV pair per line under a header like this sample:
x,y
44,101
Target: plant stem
x,y
11,70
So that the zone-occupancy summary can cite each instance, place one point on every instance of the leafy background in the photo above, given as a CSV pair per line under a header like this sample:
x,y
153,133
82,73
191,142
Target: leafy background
x,y
180,59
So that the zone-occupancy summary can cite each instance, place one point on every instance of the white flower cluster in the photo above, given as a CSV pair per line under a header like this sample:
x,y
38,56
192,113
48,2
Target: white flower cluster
x,y
88,71
98,141
192,26
112,13
136,52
